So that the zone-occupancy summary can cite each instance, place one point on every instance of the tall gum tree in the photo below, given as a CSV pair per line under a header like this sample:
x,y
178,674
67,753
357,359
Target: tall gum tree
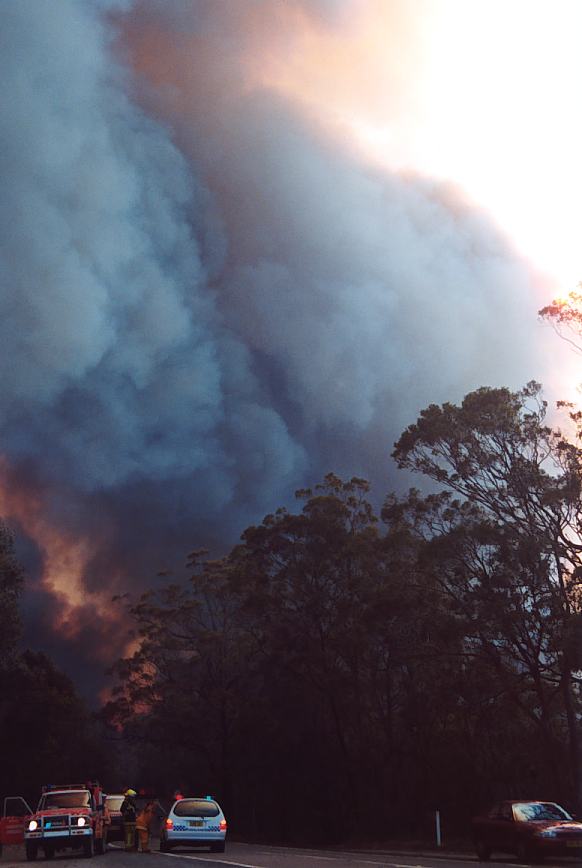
x,y
494,589
496,451
308,658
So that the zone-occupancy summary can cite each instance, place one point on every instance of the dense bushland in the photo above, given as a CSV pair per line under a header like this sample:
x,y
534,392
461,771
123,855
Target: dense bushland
x,y
341,673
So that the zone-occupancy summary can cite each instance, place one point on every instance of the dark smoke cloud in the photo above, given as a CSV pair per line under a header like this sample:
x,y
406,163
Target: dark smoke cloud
x,y
202,310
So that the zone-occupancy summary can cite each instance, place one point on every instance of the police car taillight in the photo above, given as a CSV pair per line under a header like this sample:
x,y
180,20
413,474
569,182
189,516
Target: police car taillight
x,y
169,823
223,825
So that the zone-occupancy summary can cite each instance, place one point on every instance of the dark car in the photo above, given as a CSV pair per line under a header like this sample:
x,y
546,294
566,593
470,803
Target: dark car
x,y
530,830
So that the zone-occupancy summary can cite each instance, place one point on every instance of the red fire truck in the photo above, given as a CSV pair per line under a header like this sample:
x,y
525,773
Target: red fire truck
x,y
68,816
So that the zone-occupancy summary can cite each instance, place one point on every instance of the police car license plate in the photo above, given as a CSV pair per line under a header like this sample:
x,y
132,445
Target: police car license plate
x,y
196,823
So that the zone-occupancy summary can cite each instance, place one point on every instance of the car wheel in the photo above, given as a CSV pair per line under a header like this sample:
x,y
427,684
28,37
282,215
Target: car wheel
x,y
217,848
88,847
31,850
483,851
164,846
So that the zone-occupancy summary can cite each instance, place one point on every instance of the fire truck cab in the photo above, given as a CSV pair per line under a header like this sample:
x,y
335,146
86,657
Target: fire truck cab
x,y
68,816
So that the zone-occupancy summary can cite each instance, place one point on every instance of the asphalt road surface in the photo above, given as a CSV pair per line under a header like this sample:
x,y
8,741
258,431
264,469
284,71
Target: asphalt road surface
x,y
260,856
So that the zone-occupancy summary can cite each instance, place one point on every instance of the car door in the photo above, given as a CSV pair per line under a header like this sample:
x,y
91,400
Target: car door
x,y
486,827
14,813
507,829
499,827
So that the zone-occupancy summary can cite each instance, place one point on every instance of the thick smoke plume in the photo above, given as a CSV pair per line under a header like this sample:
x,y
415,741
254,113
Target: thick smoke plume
x,y
208,297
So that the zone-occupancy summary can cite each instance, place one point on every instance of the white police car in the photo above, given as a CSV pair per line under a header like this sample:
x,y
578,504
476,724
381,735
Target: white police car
x,y
193,822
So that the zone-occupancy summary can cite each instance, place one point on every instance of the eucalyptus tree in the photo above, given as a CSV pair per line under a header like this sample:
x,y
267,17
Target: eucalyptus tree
x,y
288,659
183,689
510,547
565,315
495,591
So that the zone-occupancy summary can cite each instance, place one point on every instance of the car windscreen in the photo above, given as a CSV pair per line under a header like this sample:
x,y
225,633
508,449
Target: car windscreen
x,y
114,802
79,799
196,808
542,811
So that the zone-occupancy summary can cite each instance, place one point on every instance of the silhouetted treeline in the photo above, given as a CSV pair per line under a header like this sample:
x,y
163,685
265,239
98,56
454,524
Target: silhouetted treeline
x,y
339,674
46,732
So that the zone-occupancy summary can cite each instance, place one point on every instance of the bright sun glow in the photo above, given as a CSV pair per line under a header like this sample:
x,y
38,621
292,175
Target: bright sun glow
x,y
480,93
499,115
483,93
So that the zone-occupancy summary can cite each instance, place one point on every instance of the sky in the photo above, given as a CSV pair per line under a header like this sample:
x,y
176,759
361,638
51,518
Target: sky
x,y
242,244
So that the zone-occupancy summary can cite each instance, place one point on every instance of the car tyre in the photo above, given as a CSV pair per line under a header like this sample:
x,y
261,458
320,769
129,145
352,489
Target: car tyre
x,y
164,846
218,848
483,851
31,850
88,847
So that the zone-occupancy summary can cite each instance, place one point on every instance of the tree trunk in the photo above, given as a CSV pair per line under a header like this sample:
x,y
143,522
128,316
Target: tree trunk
x,y
573,736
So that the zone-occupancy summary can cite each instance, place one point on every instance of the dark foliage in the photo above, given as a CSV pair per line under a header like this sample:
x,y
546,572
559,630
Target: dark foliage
x,y
336,676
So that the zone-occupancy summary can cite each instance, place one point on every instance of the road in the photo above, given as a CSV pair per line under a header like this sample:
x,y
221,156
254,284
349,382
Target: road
x,y
260,856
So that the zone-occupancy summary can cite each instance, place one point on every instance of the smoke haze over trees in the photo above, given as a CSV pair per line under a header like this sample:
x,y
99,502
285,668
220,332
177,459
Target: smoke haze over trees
x,y
430,658
428,655
209,298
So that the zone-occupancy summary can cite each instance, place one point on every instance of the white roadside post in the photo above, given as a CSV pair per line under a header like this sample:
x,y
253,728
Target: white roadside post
x,y
437,820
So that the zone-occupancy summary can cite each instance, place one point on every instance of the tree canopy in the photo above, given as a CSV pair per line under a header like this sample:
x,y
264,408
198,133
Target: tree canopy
x,y
521,480
373,661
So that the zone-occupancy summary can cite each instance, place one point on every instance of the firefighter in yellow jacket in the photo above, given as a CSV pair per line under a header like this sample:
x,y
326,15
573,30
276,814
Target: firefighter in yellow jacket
x,y
129,813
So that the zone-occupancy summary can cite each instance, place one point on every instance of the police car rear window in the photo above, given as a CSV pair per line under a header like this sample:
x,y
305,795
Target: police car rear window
x,y
196,808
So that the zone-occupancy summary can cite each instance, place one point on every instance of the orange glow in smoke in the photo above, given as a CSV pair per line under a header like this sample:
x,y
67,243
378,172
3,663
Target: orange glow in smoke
x,y
65,557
